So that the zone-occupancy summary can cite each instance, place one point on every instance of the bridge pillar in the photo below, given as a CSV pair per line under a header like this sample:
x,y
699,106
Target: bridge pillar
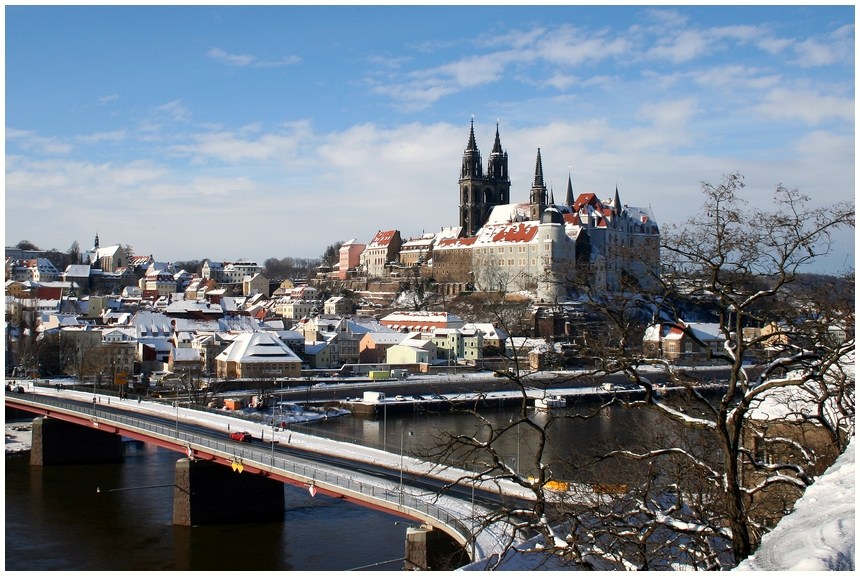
x,y
211,493
431,549
58,442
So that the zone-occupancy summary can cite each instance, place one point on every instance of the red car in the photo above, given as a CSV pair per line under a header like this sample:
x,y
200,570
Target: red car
x,y
240,436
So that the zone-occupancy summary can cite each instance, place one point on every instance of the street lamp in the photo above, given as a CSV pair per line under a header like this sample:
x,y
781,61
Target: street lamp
x,y
411,433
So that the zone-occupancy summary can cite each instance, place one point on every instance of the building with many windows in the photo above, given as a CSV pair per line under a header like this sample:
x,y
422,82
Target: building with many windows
x,y
542,246
258,355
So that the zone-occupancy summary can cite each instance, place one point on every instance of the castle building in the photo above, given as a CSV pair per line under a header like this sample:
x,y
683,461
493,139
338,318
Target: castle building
x,y
541,246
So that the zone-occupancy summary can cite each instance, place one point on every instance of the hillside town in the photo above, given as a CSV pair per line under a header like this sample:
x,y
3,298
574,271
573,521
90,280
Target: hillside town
x,y
383,301
535,285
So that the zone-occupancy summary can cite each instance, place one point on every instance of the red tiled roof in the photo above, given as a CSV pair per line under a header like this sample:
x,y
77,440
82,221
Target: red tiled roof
x,y
382,238
520,232
586,199
453,242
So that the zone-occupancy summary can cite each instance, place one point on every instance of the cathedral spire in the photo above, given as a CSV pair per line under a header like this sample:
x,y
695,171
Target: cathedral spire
x,y
472,146
537,197
471,167
616,202
538,172
497,168
497,145
569,200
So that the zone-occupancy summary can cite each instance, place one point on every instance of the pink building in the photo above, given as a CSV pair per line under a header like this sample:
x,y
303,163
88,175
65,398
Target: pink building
x,y
350,257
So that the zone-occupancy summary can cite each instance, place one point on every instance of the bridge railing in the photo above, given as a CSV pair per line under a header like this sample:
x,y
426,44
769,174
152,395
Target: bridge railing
x,y
264,456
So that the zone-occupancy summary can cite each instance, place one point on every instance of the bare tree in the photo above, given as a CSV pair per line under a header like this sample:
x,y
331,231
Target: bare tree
x,y
747,263
726,456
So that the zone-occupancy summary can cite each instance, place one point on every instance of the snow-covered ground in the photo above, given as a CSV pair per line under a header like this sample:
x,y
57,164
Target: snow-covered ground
x,y
819,532
817,535
18,437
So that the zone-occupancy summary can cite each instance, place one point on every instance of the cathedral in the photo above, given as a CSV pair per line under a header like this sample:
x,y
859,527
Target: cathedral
x,y
539,245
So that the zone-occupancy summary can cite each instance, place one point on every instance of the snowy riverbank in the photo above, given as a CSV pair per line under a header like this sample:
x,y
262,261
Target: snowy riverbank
x,y
18,436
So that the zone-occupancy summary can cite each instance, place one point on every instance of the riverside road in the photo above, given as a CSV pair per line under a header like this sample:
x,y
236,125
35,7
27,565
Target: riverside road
x,y
337,389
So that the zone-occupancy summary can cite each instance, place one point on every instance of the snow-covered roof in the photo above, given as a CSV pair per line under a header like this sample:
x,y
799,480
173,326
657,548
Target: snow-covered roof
x,y
386,337
416,342
78,271
506,213
487,329
421,316
258,347
182,306
185,354
382,239
507,233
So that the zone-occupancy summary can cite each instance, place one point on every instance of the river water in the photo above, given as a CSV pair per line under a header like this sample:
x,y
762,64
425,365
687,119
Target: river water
x,y
74,518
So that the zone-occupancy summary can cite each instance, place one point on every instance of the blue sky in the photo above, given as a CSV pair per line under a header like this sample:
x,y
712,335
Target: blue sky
x,y
254,132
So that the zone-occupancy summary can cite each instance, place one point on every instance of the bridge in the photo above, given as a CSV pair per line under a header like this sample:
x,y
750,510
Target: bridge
x,y
368,477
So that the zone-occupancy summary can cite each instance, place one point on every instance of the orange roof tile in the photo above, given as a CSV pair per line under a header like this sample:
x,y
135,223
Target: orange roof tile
x,y
520,232
382,238
453,242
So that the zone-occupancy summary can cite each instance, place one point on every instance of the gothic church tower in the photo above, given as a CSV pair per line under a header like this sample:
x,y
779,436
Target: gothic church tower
x,y
537,196
479,193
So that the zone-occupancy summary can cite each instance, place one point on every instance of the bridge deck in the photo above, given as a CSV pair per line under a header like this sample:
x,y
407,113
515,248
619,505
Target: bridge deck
x,y
454,515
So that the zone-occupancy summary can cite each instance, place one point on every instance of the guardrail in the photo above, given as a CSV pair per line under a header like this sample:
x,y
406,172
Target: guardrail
x,y
319,474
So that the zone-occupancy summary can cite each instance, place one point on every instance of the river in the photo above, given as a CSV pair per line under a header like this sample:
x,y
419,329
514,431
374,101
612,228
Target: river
x,y
75,518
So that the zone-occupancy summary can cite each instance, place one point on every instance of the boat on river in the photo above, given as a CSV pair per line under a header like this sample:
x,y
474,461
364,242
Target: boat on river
x,y
548,402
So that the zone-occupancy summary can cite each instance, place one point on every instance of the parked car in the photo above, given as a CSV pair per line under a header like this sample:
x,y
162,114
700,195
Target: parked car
x,y
417,397
399,397
240,436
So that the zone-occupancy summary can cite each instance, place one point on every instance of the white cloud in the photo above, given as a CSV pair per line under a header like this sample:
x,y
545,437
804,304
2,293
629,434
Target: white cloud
x,y
175,110
561,81
97,137
247,144
806,105
244,60
231,59
773,45
814,53
560,48
730,77
29,141
569,46
683,47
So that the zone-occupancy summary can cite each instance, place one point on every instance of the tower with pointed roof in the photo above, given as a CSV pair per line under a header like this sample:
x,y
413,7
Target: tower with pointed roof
x,y
537,196
480,192
569,199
